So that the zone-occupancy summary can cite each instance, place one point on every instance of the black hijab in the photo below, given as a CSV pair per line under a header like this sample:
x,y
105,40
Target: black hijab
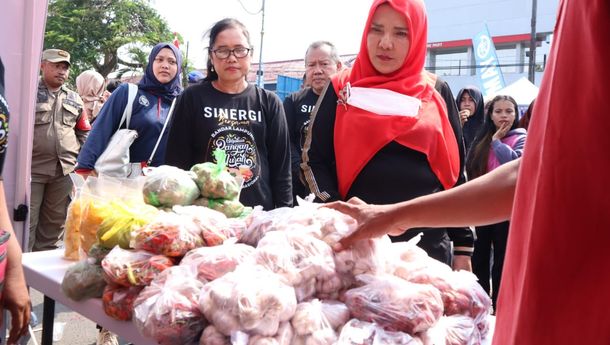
x,y
150,83
474,123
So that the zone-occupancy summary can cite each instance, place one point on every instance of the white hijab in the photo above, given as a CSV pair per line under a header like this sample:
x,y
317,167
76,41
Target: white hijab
x,y
90,85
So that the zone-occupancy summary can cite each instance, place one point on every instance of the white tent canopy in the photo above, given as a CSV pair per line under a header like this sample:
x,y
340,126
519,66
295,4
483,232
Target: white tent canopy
x,y
522,90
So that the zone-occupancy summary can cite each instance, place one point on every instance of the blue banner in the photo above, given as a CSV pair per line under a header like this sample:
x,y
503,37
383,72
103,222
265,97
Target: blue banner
x,y
490,75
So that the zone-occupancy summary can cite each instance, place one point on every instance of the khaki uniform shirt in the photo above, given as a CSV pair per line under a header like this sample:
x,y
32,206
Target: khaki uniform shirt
x,y
57,140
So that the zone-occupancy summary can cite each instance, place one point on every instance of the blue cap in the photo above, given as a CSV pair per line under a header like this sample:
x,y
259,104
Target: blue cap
x,y
195,76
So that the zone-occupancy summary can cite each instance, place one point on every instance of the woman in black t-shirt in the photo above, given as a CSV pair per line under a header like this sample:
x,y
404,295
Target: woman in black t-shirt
x,y
226,112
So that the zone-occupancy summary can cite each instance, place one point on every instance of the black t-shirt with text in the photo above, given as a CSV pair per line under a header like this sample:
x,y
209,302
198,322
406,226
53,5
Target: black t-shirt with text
x,y
250,127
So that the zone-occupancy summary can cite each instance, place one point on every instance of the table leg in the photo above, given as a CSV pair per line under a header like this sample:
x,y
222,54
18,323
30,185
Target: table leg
x,y
48,319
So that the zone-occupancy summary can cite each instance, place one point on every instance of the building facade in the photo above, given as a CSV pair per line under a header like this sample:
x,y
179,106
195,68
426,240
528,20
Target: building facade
x,y
452,25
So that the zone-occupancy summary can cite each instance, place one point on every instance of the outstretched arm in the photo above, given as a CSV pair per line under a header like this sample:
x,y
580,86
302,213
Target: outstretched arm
x,y
485,200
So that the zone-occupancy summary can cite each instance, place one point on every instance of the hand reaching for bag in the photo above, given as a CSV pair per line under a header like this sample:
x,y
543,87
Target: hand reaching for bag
x,y
373,221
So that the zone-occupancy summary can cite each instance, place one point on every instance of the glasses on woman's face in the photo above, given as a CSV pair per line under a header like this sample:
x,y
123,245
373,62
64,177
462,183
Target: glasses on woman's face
x,y
239,52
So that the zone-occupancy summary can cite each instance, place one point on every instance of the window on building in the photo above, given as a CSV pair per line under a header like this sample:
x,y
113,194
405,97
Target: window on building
x,y
453,64
507,58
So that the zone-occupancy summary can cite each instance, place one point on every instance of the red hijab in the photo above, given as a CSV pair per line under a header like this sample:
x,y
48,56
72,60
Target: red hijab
x,y
359,134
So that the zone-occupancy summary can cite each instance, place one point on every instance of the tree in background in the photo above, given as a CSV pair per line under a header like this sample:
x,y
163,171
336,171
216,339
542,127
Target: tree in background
x,y
93,31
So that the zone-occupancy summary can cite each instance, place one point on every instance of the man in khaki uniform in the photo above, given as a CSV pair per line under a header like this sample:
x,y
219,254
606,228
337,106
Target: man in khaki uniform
x,y
59,131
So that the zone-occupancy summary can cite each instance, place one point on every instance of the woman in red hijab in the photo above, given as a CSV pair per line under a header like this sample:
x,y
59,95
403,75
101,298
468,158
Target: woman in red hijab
x,y
382,132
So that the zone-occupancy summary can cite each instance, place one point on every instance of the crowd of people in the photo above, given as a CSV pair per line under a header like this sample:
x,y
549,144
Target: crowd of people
x,y
382,140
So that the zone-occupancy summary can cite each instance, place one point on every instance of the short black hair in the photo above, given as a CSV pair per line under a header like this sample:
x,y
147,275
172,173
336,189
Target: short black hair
x,y
112,85
219,27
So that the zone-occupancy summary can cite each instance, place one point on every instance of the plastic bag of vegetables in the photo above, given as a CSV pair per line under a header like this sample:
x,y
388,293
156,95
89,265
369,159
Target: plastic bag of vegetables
x,y
214,180
83,280
166,186
121,220
230,208
168,309
118,301
73,220
170,234
127,267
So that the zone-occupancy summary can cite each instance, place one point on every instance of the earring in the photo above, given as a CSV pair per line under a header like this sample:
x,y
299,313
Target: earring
x,y
212,69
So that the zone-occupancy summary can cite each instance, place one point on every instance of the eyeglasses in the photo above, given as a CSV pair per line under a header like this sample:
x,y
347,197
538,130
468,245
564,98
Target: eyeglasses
x,y
239,52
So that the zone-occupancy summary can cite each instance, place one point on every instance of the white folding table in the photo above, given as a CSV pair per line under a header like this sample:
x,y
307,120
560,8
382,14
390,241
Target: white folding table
x,y
44,272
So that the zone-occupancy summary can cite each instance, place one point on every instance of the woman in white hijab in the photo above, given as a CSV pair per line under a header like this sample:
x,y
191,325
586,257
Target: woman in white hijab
x,y
91,87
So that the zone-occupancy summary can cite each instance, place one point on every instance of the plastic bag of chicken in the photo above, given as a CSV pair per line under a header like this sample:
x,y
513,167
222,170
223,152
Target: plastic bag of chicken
x,y
454,330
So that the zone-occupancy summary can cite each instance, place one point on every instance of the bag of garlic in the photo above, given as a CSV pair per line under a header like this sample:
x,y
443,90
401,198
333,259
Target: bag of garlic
x,y
298,257
357,332
250,299
317,322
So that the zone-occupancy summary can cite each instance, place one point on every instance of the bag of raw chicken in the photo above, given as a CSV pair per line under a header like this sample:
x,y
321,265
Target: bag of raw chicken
x,y
364,257
453,330
460,291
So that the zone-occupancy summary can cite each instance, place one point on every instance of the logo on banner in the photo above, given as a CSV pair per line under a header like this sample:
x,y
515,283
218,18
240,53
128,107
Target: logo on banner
x,y
489,73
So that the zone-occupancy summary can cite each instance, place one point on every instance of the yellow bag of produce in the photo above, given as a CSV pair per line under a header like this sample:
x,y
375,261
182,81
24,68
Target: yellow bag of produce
x,y
73,221
123,219
72,230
